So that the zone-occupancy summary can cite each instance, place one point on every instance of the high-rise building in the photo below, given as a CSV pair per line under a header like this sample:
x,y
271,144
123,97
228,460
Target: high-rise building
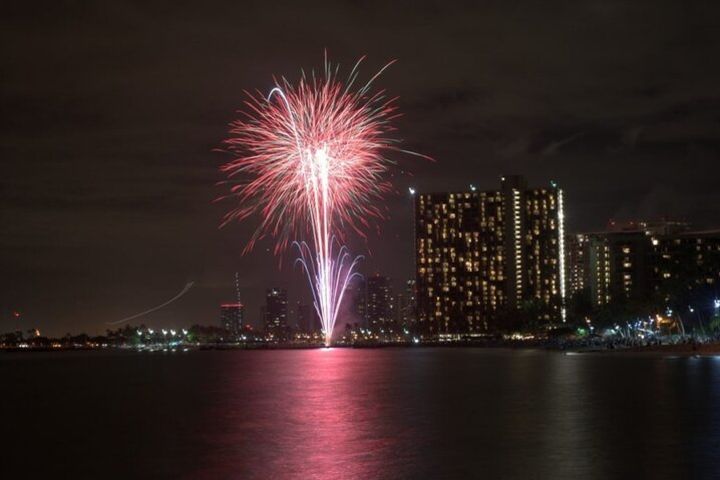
x,y
307,318
534,245
480,253
357,300
613,266
633,260
275,311
379,304
686,266
618,266
405,307
598,272
450,235
231,317
577,262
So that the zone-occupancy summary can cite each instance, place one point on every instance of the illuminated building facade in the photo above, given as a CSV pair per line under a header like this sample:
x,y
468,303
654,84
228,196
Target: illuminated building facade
x,y
619,266
231,317
480,253
577,262
534,246
275,311
406,306
642,261
379,304
598,272
356,295
687,262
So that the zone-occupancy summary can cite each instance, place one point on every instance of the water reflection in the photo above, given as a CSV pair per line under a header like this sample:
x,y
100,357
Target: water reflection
x,y
310,414
458,413
375,414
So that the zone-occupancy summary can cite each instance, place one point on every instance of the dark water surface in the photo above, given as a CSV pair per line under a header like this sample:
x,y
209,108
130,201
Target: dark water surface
x,y
370,414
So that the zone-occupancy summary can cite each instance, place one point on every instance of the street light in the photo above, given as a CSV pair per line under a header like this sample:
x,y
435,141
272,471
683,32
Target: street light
x,y
411,190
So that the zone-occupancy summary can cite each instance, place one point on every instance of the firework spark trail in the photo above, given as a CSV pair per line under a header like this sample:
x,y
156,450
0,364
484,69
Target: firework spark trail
x,y
182,292
329,277
313,152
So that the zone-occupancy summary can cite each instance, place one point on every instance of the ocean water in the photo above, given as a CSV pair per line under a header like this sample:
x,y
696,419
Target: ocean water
x,y
415,413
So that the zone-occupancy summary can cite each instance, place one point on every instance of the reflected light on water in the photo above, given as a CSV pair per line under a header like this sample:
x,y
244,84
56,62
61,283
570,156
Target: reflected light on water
x,y
372,414
314,416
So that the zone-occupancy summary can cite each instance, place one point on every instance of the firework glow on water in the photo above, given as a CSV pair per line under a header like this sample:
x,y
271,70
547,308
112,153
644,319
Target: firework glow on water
x,y
310,162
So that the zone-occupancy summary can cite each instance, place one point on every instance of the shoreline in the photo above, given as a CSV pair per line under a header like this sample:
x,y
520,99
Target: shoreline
x,y
682,349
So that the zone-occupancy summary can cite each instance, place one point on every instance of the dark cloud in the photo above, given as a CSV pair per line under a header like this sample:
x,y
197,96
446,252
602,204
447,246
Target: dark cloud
x,y
111,112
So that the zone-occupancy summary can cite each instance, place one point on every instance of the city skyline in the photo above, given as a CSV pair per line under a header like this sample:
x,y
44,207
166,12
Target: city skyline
x,y
297,293
589,264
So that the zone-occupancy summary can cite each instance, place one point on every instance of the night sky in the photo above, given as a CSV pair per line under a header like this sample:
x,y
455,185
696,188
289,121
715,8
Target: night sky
x,y
111,114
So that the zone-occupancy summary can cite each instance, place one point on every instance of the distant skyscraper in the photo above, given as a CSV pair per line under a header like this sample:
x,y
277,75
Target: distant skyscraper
x,y
478,253
379,304
405,307
357,299
275,311
231,317
307,318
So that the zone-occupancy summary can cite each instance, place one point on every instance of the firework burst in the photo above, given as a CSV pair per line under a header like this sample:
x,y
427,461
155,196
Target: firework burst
x,y
310,159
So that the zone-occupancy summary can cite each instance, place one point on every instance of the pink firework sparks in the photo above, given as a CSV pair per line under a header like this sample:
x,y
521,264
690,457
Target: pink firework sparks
x,y
310,157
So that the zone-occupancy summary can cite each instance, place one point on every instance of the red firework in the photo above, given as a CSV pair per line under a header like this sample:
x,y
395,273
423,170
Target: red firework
x,y
277,142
